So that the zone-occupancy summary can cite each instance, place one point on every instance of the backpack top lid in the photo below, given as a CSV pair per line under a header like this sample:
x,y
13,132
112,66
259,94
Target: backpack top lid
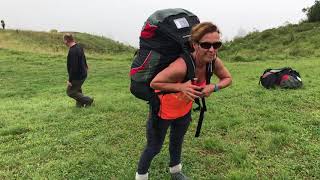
x,y
160,15
167,31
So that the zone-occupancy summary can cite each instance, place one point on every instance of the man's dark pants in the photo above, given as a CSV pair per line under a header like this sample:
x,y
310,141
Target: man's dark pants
x,y
75,92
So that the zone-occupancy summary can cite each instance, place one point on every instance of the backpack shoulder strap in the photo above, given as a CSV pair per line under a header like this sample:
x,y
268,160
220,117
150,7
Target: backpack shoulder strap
x,y
210,70
190,66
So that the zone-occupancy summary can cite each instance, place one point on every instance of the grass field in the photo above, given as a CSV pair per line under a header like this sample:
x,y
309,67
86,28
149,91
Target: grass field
x,y
248,133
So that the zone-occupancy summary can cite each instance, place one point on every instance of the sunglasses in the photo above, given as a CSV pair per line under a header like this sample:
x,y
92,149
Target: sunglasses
x,y
207,45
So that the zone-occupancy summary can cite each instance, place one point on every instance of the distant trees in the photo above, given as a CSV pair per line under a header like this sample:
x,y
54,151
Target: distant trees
x,y
313,12
54,31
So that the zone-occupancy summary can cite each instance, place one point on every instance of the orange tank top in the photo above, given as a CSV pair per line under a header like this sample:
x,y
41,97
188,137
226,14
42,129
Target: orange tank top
x,y
175,105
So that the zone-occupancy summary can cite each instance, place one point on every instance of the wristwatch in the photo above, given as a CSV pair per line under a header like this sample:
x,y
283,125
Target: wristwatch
x,y
216,88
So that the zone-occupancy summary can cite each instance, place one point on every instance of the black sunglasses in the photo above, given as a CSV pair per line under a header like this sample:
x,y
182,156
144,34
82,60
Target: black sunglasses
x,y
207,45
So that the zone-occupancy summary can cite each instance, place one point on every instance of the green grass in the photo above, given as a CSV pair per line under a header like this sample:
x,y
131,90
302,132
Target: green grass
x,y
248,133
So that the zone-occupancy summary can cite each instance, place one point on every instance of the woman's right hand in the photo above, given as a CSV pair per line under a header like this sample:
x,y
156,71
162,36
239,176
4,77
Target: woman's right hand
x,y
190,91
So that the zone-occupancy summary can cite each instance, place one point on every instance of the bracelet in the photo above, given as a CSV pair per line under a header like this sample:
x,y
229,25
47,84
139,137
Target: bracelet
x,y
216,88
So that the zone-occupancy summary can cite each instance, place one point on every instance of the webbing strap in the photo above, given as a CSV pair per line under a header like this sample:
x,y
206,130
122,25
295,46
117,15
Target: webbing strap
x,y
203,109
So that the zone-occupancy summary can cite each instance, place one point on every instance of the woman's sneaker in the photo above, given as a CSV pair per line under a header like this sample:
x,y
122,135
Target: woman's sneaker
x,y
178,176
141,176
176,173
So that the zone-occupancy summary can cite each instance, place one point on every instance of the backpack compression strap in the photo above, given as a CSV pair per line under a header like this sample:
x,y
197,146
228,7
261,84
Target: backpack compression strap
x,y
203,108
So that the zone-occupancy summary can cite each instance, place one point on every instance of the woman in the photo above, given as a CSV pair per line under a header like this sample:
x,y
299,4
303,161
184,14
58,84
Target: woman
x,y
175,107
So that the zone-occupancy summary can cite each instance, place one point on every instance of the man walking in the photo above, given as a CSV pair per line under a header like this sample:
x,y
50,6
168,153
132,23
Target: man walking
x,y
77,70
3,25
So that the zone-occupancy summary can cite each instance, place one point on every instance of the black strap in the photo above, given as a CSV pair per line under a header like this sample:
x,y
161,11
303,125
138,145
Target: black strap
x,y
203,107
209,72
186,56
136,52
154,103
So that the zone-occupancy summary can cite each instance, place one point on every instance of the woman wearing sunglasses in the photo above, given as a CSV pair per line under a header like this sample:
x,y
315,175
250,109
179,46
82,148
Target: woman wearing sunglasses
x,y
175,107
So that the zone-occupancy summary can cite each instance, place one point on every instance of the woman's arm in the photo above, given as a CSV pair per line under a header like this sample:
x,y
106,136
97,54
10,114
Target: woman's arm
x,y
224,76
170,79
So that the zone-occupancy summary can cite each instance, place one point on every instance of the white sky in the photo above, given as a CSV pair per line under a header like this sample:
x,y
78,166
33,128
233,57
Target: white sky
x,y
122,20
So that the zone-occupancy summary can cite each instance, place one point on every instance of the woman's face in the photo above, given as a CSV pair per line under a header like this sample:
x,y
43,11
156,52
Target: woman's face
x,y
207,48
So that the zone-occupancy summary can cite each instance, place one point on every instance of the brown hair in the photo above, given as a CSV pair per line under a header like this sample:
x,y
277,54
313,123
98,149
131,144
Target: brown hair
x,y
199,30
68,37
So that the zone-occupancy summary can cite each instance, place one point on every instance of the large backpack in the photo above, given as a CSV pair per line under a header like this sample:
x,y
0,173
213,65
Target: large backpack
x,y
164,38
283,77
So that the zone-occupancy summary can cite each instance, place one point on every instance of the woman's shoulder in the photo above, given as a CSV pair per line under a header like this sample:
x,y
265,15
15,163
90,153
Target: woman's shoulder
x,y
177,67
179,63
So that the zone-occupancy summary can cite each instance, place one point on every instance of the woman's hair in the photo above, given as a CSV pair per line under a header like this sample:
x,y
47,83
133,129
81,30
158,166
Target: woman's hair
x,y
199,30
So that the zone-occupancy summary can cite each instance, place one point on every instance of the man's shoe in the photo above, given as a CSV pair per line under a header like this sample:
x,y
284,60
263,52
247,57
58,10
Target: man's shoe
x,y
89,103
79,104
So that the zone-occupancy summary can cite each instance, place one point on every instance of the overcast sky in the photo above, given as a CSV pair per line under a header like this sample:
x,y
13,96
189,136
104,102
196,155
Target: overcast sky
x,y
122,19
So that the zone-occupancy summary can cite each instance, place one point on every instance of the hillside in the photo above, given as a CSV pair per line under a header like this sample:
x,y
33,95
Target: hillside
x,y
51,42
287,42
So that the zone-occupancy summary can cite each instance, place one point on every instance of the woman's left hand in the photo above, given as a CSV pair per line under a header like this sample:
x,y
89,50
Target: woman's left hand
x,y
207,90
